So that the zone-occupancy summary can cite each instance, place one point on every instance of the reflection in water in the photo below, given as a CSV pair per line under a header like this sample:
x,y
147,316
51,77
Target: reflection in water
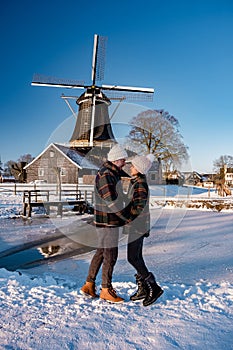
x,y
66,241
55,250
49,250
14,261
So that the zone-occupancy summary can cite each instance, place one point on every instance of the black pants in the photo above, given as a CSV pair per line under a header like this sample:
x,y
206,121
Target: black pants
x,y
105,256
134,254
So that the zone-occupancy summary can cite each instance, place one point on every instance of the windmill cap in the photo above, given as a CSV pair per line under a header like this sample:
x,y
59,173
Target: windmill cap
x,y
117,152
142,164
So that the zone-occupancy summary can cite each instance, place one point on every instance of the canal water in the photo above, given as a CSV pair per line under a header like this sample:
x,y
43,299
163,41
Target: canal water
x,y
24,246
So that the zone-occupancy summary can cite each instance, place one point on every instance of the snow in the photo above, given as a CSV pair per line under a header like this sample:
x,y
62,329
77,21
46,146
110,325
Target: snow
x,y
190,253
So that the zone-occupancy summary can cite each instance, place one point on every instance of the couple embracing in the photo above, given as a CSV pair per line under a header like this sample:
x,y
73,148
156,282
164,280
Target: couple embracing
x,y
112,211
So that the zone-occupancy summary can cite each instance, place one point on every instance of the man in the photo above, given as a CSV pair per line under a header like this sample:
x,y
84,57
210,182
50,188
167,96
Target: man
x,y
108,218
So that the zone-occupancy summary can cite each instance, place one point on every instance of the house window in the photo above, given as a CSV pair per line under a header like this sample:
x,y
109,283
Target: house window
x,y
63,171
51,153
152,177
40,172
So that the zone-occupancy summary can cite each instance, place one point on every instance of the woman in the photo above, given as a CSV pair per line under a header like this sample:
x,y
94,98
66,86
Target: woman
x,y
138,213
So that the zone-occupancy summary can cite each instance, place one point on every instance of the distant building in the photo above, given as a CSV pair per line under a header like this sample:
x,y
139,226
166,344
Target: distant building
x,y
193,178
174,178
208,184
154,175
6,178
228,175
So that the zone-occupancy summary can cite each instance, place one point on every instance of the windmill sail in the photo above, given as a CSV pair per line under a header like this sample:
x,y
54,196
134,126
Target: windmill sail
x,y
98,60
93,123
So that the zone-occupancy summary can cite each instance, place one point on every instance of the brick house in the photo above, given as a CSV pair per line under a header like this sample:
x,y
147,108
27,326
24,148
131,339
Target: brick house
x,y
59,160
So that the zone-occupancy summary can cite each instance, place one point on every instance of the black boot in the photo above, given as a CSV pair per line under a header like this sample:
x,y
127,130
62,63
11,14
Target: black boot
x,y
141,292
154,291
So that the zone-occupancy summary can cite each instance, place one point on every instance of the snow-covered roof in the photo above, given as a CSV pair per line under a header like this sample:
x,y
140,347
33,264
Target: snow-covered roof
x,y
77,158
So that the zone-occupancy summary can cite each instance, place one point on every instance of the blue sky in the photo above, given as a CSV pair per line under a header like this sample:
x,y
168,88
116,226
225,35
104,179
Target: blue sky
x,y
183,49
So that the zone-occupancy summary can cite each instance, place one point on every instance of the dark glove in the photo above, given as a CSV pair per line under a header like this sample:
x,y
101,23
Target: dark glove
x,y
147,234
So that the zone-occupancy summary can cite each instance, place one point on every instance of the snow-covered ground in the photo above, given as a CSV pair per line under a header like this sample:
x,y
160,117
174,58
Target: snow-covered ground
x,y
189,251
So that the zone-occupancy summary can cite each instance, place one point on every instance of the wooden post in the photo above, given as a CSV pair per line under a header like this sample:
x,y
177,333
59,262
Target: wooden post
x,y
47,209
58,173
59,209
29,197
29,210
24,209
24,203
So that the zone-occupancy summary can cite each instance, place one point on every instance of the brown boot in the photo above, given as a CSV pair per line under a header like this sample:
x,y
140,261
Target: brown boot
x,y
110,295
89,289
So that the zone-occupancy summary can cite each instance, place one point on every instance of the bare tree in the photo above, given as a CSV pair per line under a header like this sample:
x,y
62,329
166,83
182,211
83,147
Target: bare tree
x,y
7,167
26,158
157,132
224,160
16,169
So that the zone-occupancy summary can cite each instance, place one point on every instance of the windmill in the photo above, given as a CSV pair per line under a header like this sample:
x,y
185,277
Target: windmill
x,y
93,125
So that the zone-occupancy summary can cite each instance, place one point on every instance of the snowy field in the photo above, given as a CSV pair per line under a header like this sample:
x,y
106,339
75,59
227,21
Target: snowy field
x,y
190,253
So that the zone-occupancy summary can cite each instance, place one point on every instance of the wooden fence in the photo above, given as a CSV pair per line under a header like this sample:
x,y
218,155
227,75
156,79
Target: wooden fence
x,y
81,201
20,187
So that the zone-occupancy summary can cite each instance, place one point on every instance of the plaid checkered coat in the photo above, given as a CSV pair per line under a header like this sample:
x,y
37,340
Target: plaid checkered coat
x,y
109,197
137,211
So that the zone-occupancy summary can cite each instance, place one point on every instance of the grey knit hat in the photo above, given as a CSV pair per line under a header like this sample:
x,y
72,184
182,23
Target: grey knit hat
x,y
142,164
117,152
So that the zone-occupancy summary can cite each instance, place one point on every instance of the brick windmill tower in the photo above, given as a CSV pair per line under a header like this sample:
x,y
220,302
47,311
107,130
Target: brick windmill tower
x,y
93,127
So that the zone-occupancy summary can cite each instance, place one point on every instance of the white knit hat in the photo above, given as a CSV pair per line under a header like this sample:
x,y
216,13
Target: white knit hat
x,y
142,164
117,152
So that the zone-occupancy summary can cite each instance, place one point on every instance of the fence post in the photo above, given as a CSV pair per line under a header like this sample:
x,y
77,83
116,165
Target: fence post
x,y
59,209
29,210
